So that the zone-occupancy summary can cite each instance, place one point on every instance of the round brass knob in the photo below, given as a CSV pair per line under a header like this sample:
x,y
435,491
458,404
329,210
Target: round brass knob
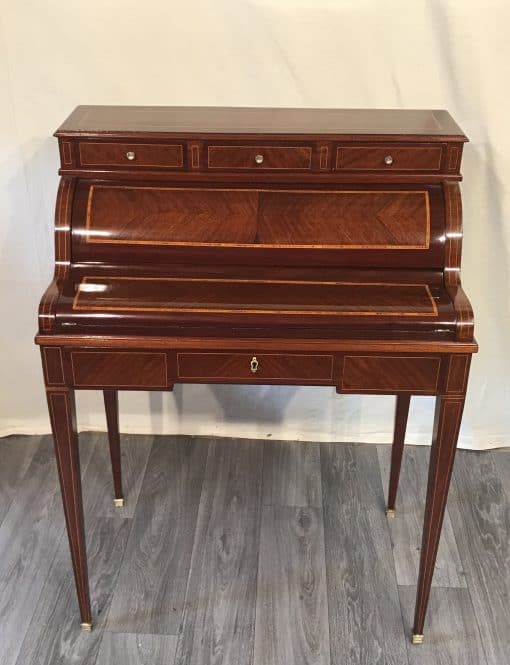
x,y
259,159
388,160
254,364
130,155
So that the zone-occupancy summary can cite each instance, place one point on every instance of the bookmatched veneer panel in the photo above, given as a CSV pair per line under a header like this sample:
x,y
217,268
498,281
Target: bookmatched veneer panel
x,y
391,219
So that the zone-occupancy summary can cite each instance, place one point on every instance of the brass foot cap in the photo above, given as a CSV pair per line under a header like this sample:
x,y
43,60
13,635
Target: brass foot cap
x,y
390,512
86,626
417,639
119,503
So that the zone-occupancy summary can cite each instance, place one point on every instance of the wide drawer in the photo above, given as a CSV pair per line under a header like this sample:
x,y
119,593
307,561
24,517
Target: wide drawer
x,y
390,374
260,157
132,155
388,158
255,367
119,369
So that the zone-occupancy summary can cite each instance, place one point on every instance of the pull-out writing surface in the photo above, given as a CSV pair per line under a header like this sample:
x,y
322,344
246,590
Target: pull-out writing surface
x,y
339,307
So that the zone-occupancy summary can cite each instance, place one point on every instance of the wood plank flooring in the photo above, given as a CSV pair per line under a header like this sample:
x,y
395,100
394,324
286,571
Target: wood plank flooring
x,y
240,552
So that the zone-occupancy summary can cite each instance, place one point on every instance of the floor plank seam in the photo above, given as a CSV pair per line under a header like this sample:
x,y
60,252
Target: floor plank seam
x,y
107,612
264,465
36,600
21,481
195,533
325,566
121,563
468,580
477,506
61,536
394,569
259,532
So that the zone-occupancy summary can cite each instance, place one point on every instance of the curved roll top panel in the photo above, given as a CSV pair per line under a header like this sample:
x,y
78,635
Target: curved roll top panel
x,y
345,226
258,221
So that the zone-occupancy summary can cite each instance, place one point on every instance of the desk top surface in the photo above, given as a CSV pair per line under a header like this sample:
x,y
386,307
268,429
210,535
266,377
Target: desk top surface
x,y
93,120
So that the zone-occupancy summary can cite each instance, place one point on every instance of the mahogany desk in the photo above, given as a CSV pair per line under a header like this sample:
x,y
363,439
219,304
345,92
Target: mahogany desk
x,y
263,246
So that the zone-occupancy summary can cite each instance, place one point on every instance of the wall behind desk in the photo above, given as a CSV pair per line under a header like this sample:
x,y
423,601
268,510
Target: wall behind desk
x,y
353,53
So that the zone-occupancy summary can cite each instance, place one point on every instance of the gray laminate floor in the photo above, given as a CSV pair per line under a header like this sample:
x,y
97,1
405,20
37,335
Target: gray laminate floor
x,y
238,552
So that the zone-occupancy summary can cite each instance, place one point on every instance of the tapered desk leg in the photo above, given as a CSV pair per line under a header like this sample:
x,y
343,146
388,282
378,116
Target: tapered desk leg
x,y
447,419
111,405
63,424
397,449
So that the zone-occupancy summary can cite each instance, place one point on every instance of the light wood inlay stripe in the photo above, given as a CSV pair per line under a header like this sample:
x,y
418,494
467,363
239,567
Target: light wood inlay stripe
x,y
433,167
323,157
108,355
455,406
432,388
62,249
91,238
195,157
100,162
45,350
263,167
456,360
453,158
257,378
259,310
66,152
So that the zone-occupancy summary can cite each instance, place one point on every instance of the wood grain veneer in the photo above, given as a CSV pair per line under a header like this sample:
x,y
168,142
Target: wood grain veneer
x,y
168,294
359,219
118,369
232,157
157,120
295,368
259,246
390,374
403,158
145,155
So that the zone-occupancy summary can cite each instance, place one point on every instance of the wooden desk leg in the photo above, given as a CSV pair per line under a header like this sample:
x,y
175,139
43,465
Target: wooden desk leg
x,y
63,424
397,449
447,418
111,405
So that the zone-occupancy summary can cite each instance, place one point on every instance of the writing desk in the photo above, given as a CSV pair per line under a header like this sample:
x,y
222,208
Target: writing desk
x,y
261,246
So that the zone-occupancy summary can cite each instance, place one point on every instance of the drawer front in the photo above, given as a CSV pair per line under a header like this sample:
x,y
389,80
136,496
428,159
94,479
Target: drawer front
x,y
257,368
390,374
132,155
265,158
388,158
120,369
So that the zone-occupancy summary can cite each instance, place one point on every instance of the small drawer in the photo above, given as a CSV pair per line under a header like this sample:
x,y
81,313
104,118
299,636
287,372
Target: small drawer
x,y
255,367
132,155
390,374
388,158
260,157
119,369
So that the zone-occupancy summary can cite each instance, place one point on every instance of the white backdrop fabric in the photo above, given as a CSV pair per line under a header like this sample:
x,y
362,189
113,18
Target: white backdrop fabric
x,y
311,53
